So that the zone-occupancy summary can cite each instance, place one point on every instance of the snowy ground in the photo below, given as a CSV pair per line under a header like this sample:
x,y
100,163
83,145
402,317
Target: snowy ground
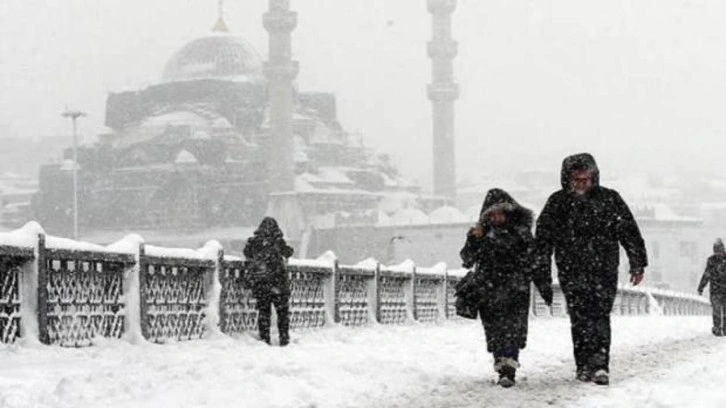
x,y
656,362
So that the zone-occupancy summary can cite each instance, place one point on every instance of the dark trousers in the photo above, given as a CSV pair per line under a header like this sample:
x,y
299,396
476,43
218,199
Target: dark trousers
x,y
281,301
718,304
591,338
511,352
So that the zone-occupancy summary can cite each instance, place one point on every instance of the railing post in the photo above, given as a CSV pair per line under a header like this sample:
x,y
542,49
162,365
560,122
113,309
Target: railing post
x,y
446,293
221,276
410,294
212,292
373,296
143,306
330,295
42,292
378,292
336,292
441,295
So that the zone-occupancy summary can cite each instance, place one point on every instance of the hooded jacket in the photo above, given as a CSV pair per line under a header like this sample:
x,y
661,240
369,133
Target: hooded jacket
x,y
504,269
504,254
715,272
268,246
584,232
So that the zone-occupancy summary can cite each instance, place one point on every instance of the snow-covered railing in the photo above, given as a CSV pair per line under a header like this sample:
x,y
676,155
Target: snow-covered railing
x,y
633,301
80,291
175,287
63,292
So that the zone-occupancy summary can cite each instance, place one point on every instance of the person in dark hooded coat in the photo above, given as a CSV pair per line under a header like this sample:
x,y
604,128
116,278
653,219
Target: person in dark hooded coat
x,y
266,252
715,274
583,224
501,247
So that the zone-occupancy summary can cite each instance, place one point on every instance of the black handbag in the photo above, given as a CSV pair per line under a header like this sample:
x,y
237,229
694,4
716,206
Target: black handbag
x,y
465,308
467,298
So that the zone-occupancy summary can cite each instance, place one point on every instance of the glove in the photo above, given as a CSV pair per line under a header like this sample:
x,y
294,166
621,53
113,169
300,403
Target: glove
x,y
547,295
636,276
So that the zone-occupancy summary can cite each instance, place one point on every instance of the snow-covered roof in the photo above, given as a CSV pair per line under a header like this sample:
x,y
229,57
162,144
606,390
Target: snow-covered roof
x,y
185,157
447,215
409,216
333,175
395,201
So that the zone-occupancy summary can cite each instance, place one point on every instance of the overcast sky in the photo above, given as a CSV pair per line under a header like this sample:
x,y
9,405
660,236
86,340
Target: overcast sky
x,y
639,83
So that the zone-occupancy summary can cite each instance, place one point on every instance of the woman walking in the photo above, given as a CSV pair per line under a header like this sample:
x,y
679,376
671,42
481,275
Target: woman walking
x,y
501,247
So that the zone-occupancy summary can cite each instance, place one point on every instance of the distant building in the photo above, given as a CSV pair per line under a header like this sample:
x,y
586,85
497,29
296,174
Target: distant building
x,y
193,153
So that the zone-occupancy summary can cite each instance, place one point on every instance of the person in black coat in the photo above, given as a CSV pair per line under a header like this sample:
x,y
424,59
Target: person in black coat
x,y
501,247
266,252
583,223
715,274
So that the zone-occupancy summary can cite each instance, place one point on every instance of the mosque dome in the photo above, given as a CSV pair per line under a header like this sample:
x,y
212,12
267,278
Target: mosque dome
x,y
217,56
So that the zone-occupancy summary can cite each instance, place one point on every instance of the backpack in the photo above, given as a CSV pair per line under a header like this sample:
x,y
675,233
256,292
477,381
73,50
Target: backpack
x,y
256,272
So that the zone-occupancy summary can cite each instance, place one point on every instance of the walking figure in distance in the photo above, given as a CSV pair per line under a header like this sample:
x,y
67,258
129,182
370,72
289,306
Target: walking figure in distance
x,y
583,223
267,252
715,274
501,247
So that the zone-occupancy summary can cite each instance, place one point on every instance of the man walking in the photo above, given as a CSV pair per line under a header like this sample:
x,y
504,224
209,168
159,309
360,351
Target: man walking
x,y
715,274
583,223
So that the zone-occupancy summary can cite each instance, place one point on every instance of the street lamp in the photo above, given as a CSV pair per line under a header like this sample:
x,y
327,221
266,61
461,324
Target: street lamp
x,y
74,115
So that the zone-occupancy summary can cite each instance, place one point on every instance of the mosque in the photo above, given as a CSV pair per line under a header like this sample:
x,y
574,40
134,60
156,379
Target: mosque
x,y
226,137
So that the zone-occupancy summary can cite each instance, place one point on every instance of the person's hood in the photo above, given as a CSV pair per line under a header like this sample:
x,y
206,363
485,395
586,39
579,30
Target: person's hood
x,y
499,200
718,247
268,228
581,161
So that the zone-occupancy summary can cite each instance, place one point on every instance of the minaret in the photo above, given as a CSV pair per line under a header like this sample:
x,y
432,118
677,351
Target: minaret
x,y
220,26
442,92
280,71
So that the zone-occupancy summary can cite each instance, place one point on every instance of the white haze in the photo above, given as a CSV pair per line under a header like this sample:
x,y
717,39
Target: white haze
x,y
638,83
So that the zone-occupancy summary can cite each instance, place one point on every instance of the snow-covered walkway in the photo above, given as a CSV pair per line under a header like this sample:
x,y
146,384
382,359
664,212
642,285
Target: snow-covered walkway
x,y
656,362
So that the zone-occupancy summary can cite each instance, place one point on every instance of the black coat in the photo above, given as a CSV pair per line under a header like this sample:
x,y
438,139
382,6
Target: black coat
x,y
268,246
504,270
715,274
584,234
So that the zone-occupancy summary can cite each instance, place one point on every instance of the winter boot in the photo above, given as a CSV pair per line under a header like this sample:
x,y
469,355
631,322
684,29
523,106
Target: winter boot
x,y
583,375
601,377
507,369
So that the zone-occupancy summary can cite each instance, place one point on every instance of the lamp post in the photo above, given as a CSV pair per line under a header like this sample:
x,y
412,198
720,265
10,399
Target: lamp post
x,y
74,115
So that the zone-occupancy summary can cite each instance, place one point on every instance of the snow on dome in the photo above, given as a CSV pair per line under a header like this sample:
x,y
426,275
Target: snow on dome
x,y
184,157
221,123
396,201
217,56
447,215
409,216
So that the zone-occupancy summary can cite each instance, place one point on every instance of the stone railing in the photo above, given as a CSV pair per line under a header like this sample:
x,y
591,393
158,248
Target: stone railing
x,y
62,292
632,301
